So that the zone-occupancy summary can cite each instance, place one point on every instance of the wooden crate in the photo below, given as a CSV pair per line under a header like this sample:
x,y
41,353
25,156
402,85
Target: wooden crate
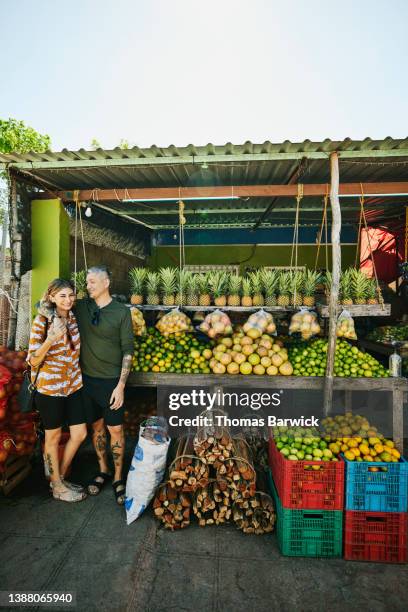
x,y
16,469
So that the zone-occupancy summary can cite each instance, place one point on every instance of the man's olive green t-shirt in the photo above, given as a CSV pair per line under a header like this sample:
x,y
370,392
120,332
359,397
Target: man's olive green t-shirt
x,y
104,345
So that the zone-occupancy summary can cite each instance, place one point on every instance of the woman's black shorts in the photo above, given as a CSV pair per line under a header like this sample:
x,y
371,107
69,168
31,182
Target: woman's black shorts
x,y
57,411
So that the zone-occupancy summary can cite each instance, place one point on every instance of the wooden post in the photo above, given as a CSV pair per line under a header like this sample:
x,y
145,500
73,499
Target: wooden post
x,y
336,269
398,418
15,249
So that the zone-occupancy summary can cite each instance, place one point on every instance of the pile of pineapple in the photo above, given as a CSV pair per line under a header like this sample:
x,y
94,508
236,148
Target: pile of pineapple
x,y
170,286
355,288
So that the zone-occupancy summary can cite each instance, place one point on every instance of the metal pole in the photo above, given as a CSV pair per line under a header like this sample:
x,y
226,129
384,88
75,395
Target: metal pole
x,y
336,269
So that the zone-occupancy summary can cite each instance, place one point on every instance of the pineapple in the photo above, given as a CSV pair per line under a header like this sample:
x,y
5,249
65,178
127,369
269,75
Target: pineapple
x,y
270,279
234,290
246,299
372,292
203,290
284,289
152,288
183,281
79,280
257,296
218,284
168,278
310,281
346,288
296,279
360,284
192,291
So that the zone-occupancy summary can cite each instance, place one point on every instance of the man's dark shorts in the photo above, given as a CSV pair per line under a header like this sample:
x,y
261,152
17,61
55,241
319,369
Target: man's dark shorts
x,y
96,395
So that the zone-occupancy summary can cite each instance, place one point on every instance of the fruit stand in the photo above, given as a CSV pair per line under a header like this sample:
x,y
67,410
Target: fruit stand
x,y
234,328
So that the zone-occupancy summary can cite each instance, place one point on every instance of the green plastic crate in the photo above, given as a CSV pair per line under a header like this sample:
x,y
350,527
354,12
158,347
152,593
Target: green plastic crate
x,y
307,533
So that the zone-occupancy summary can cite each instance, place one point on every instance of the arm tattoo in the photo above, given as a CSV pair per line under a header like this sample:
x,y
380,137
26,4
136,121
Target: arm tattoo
x,y
49,464
126,365
117,452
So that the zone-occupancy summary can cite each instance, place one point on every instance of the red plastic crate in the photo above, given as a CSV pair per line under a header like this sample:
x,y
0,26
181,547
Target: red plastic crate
x,y
299,487
375,536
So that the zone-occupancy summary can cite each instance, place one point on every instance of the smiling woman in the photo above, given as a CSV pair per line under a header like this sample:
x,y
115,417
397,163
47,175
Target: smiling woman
x,y
54,358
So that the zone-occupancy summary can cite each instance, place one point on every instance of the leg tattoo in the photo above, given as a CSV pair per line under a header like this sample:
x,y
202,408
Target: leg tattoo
x,y
49,464
116,449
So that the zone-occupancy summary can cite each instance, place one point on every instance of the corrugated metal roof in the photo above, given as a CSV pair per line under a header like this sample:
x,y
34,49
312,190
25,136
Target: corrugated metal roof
x,y
246,164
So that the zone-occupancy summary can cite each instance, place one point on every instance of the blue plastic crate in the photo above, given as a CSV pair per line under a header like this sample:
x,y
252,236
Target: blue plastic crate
x,y
382,491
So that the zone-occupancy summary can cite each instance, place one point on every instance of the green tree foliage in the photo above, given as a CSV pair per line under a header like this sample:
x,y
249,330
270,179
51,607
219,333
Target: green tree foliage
x,y
17,137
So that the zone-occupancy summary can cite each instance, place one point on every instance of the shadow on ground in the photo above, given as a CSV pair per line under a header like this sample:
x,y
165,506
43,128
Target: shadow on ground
x,y
88,548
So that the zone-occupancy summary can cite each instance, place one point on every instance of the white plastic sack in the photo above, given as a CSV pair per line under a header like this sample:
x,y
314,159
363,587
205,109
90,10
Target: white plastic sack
x,y
145,474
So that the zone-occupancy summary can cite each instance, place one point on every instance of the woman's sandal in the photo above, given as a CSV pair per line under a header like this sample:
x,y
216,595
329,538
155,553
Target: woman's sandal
x,y
119,490
98,484
61,492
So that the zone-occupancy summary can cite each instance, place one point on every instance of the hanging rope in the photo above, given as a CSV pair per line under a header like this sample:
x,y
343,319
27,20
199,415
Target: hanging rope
x,y
324,225
363,216
78,214
182,258
294,253
359,231
295,243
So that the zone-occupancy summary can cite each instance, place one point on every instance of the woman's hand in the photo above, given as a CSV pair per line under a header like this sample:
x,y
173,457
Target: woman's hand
x,y
57,330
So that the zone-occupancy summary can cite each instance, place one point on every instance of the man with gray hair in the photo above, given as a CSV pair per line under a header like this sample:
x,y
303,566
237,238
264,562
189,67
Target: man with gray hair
x,y
106,358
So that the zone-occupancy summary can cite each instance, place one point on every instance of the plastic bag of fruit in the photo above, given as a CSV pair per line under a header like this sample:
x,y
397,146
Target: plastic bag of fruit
x,y
173,322
345,326
215,324
138,322
258,323
304,322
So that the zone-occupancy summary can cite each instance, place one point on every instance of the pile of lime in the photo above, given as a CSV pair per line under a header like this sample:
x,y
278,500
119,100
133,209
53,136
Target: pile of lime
x,y
309,359
298,444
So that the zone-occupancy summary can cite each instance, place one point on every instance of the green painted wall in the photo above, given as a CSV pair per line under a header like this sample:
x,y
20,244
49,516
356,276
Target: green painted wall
x,y
247,255
50,245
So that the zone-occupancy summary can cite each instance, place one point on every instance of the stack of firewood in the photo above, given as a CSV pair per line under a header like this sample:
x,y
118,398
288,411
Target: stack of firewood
x,y
214,476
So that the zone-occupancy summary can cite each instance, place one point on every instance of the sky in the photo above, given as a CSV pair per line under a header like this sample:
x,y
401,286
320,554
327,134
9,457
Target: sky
x,y
177,72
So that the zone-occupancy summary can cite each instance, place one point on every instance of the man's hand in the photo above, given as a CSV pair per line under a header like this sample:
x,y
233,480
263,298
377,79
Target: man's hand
x,y
116,400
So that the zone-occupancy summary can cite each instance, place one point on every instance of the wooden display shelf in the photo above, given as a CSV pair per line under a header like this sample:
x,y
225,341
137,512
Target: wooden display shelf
x,y
359,310
385,348
152,379
397,387
211,308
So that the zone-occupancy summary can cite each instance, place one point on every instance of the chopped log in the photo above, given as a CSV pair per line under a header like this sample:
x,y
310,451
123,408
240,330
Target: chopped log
x,y
211,504
259,518
172,507
213,443
238,471
187,472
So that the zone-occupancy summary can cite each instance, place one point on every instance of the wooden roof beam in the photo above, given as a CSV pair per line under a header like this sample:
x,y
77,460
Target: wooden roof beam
x,y
240,191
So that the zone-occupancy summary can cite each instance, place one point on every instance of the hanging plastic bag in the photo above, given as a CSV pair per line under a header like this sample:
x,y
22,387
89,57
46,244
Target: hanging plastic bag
x,y
173,322
304,322
138,322
345,326
215,324
258,323
147,468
